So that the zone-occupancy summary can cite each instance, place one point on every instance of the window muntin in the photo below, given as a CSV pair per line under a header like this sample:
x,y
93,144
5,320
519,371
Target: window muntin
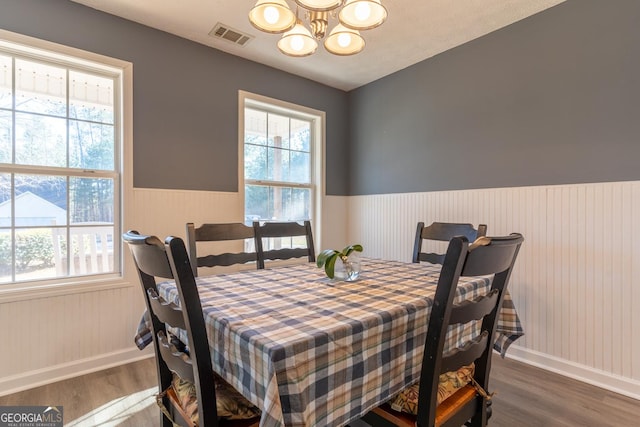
x,y
59,168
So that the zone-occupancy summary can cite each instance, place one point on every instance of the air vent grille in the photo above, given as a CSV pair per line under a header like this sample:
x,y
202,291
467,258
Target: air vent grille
x,y
224,32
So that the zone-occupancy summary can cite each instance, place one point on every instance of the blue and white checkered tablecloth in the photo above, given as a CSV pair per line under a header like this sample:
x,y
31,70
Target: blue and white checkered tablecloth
x,y
310,351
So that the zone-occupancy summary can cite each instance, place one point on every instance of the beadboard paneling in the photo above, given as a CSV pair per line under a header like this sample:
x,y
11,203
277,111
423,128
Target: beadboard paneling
x,y
576,284
165,212
577,280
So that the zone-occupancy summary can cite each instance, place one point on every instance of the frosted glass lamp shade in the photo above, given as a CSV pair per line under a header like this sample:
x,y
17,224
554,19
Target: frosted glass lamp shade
x,y
344,41
272,16
297,42
362,14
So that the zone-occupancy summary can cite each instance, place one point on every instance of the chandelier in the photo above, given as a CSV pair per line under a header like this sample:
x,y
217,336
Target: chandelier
x,y
275,17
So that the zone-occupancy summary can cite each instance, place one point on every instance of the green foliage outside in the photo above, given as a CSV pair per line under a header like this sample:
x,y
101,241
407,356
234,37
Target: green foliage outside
x,y
33,248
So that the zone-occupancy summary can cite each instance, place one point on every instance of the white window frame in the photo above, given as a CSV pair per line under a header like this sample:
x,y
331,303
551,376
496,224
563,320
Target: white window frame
x,y
122,276
317,118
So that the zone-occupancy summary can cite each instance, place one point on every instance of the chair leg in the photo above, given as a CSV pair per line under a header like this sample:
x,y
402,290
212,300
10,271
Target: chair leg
x,y
166,422
481,418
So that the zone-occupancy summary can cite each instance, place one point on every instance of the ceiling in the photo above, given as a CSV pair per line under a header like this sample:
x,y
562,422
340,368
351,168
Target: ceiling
x,y
414,30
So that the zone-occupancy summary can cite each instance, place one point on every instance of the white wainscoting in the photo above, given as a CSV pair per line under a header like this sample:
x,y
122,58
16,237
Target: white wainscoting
x,y
576,285
52,337
577,280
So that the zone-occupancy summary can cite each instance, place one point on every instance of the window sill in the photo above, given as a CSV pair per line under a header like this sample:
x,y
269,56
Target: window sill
x,y
20,292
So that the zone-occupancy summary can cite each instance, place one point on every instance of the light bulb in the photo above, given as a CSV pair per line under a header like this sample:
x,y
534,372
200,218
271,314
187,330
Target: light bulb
x,y
363,11
271,14
297,43
344,39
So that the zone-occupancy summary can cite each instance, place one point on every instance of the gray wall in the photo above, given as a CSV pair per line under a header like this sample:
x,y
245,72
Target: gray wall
x,y
185,95
552,99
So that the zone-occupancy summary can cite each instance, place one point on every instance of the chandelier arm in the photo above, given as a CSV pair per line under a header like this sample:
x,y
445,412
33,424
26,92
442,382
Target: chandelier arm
x,y
275,16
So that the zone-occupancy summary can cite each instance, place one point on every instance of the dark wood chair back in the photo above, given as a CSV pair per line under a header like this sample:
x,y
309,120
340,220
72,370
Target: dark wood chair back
x,y
444,232
169,260
280,230
219,233
494,256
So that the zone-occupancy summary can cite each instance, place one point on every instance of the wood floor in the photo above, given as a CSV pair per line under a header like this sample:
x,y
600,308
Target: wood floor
x,y
526,396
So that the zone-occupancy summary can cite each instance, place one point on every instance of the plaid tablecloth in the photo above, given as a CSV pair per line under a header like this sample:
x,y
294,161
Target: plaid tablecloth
x,y
313,352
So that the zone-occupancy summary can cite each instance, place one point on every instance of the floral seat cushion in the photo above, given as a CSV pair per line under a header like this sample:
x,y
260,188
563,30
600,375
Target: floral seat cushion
x,y
449,383
230,403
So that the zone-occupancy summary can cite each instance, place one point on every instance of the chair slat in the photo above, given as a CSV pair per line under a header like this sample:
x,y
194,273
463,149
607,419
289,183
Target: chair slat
x,y
465,355
285,253
165,312
226,259
476,309
219,232
177,361
271,230
431,257
444,232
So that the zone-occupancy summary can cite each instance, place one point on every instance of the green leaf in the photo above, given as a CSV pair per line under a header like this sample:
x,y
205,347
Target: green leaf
x,y
329,267
324,256
347,251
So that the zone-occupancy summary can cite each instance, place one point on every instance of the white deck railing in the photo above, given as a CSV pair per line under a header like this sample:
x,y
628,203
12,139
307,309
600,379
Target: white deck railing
x,y
91,249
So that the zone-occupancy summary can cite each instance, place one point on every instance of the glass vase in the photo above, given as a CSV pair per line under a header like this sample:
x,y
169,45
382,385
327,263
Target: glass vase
x,y
347,270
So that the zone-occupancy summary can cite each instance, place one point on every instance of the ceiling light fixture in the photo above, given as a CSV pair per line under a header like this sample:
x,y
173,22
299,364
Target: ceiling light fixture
x,y
275,16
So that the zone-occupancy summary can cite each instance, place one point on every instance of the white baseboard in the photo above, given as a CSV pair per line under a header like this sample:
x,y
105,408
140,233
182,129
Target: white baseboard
x,y
48,375
605,380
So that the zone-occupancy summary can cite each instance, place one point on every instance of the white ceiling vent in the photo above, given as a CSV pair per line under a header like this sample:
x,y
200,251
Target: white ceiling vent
x,y
222,31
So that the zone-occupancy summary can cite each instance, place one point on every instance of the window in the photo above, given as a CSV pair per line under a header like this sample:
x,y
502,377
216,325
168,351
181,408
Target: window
x,y
280,150
60,166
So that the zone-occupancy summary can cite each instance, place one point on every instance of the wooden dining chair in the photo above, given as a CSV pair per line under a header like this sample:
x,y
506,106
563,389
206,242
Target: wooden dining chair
x,y
220,232
442,232
292,230
453,387
190,393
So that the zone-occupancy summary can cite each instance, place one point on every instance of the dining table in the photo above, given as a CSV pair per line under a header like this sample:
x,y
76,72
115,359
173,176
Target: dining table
x,y
312,351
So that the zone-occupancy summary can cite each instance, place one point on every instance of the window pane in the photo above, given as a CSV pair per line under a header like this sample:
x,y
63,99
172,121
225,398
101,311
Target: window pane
x,y
34,254
279,163
255,127
43,253
41,88
40,200
278,131
91,200
255,162
294,205
90,97
5,136
5,200
6,259
91,145
91,250
300,167
6,78
257,202
300,135
41,140
276,203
